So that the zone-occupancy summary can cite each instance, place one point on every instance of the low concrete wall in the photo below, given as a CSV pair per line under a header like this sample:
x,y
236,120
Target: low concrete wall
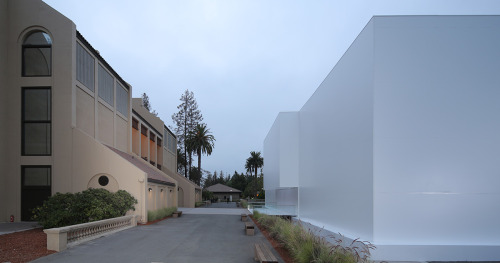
x,y
59,239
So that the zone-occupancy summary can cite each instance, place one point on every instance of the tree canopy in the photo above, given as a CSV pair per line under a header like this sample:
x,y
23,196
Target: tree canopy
x,y
201,141
186,120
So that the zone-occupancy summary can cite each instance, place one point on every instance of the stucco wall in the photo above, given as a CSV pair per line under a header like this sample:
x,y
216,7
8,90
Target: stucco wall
x,y
3,108
23,17
188,191
92,158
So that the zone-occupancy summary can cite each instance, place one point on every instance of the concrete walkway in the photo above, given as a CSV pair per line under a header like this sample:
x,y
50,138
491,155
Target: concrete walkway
x,y
8,227
198,236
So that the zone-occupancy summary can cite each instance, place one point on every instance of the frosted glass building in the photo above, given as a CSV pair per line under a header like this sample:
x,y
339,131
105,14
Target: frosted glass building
x,y
400,144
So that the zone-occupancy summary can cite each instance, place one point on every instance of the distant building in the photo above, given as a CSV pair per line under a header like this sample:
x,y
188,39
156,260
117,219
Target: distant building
x,y
400,144
224,192
69,121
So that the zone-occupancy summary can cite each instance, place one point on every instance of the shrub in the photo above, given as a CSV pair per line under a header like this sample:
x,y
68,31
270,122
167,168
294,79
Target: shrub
x,y
304,246
87,206
161,213
244,203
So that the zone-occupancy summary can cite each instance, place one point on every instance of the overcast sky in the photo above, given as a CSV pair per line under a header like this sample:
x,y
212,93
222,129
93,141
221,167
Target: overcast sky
x,y
245,60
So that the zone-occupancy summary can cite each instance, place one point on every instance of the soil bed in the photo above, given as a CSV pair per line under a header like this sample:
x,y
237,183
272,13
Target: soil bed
x,y
153,222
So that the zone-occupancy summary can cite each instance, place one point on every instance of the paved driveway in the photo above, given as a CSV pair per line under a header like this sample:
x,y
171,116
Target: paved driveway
x,y
193,237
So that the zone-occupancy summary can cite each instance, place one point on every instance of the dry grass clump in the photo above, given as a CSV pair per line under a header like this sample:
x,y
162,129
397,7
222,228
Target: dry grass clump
x,y
306,247
161,213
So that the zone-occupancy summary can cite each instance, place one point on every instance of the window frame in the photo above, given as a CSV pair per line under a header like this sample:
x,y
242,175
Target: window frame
x,y
23,121
25,46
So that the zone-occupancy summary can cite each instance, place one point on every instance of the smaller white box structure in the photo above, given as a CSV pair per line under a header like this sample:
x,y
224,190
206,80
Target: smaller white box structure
x,y
400,144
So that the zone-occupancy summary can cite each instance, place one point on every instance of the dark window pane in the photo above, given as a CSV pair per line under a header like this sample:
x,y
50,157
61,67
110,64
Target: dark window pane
x,y
36,61
37,105
37,39
36,176
37,139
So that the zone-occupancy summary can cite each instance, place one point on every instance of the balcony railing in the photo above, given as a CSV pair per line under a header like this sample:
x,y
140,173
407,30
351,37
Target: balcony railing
x,y
59,239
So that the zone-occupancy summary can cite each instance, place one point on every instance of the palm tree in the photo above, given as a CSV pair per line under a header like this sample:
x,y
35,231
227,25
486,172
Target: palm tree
x,y
201,141
254,162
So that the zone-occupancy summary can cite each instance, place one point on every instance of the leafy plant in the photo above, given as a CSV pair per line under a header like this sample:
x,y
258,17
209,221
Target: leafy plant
x,y
82,207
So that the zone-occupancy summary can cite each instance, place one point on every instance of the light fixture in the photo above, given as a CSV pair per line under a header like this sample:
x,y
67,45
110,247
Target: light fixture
x,y
150,189
161,190
171,190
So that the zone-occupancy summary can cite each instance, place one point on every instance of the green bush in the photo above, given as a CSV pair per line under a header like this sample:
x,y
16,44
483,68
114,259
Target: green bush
x,y
161,213
304,246
87,206
243,203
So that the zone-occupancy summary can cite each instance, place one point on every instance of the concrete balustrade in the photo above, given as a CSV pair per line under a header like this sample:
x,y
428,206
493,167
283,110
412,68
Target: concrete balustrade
x,y
59,239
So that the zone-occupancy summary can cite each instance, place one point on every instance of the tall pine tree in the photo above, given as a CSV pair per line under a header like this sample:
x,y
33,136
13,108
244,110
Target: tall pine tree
x,y
186,120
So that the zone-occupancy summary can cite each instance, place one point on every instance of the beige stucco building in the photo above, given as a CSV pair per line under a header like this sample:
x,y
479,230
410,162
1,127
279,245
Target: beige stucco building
x,y
68,121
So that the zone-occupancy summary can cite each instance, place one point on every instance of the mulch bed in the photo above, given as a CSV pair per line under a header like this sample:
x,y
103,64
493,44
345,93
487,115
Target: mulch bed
x,y
24,246
276,245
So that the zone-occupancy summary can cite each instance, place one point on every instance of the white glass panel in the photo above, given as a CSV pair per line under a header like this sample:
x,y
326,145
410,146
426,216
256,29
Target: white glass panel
x,y
122,99
84,67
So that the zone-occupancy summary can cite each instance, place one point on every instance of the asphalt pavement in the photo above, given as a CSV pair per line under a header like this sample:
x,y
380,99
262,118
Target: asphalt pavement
x,y
197,236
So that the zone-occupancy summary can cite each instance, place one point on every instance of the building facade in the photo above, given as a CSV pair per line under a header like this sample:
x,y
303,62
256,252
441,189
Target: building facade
x,y
153,141
69,119
224,193
400,143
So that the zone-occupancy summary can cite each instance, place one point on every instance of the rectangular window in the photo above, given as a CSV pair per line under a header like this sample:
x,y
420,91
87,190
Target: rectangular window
x,y
135,124
84,67
36,61
170,142
36,176
106,86
122,99
36,184
36,121
165,136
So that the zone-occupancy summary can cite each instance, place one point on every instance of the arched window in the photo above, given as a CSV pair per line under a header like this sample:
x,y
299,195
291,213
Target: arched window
x,y
37,53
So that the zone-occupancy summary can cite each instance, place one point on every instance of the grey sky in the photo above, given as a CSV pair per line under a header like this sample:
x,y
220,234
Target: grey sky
x,y
245,60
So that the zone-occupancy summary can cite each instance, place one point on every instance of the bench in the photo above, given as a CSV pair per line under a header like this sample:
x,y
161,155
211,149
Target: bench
x,y
244,217
249,228
263,254
177,214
